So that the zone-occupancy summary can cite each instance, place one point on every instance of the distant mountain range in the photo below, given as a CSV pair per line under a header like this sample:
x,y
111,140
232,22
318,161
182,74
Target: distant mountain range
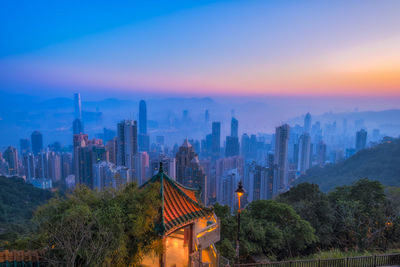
x,y
381,162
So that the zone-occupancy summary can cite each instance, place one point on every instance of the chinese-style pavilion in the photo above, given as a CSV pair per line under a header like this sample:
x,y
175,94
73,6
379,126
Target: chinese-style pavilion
x,y
188,229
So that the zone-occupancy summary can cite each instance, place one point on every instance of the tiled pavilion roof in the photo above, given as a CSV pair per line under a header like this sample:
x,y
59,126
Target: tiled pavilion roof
x,y
180,205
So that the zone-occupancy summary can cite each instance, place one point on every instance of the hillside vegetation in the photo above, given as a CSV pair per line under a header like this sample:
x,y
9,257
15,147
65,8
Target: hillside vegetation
x,y
18,201
381,163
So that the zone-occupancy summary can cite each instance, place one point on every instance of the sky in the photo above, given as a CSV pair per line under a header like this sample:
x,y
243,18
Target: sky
x,y
206,48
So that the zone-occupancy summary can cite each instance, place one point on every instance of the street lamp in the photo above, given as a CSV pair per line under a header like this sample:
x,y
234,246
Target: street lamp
x,y
239,191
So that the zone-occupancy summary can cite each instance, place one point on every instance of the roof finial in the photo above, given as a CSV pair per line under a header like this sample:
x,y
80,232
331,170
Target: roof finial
x,y
161,167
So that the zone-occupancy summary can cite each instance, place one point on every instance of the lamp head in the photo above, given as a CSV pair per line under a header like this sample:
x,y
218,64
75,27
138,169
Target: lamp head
x,y
240,190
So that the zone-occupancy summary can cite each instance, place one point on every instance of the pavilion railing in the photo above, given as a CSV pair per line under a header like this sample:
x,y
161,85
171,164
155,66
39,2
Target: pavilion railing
x,y
362,261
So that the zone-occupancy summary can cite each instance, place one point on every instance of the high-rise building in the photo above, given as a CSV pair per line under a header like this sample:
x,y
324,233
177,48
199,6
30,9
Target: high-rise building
x,y
106,174
3,165
111,147
77,106
54,165
232,146
226,188
216,139
142,117
37,142
234,127
142,165
361,139
82,167
11,156
188,169
232,141
307,123
66,165
42,167
260,182
24,146
77,126
127,143
304,153
29,164
281,156
321,153
144,139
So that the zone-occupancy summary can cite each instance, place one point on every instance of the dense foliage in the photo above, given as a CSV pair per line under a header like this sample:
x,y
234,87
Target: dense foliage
x,y
268,228
381,163
88,228
18,201
305,220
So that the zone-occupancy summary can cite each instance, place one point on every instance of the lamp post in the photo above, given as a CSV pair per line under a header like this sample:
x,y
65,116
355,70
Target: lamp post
x,y
239,191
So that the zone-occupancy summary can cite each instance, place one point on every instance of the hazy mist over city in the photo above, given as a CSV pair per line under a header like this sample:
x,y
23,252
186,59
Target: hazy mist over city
x,y
21,114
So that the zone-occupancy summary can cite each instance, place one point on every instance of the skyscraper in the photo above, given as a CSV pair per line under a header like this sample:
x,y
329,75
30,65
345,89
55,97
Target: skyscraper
x,y
232,142
111,147
307,123
361,139
188,169
81,160
29,164
304,153
216,140
77,126
234,127
144,139
37,142
281,156
141,167
11,156
127,143
142,117
232,146
321,153
77,106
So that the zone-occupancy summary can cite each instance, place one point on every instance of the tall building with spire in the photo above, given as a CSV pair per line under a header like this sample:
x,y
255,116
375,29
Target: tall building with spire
x,y
77,106
234,127
77,124
188,169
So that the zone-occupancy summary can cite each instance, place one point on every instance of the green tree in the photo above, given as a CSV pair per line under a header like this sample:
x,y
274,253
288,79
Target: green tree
x,y
361,212
268,228
313,206
88,228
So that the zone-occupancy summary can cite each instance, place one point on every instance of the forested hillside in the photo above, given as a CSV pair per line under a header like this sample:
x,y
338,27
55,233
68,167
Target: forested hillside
x,y
381,163
18,201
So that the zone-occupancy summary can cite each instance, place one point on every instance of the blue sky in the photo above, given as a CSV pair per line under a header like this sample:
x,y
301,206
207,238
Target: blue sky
x,y
202,47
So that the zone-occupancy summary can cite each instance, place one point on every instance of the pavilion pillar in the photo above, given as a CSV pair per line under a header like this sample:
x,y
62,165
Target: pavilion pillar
x,y
163,253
